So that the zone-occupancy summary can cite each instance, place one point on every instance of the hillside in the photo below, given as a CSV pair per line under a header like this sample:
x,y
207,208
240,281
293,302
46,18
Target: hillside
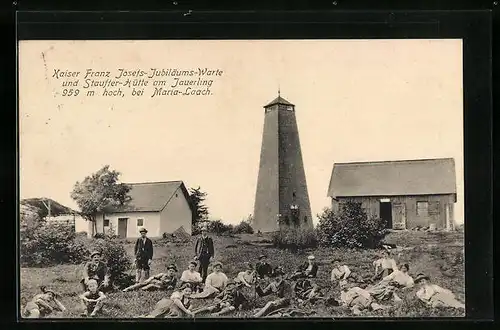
x,y
36,205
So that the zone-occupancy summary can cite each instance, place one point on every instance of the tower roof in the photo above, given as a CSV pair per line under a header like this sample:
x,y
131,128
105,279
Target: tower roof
x,y
278,100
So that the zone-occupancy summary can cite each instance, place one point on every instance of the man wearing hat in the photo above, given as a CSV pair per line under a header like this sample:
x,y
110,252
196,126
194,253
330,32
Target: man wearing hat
x,y
161,281
229,300
307,270
97,270
263,268
435,296
204,252
143,252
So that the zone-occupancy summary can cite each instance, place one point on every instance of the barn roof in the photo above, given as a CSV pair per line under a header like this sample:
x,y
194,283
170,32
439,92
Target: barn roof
x,y
278,100
393,178
149,196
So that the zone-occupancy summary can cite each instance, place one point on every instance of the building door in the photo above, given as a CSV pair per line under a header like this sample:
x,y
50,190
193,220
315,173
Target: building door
x,y
399,216
122,227
435,217
386,212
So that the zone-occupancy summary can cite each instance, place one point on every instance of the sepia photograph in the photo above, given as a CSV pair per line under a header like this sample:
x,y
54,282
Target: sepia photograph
x,y
241,179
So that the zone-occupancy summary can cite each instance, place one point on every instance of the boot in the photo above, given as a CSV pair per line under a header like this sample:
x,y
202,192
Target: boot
x,y
146,274
138,276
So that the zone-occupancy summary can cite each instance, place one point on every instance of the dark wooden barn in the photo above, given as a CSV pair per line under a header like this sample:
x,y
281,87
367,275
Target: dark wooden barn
x,y
407,194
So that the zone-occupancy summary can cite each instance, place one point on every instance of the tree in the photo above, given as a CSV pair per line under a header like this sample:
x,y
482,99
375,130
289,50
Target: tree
x,y
99,191
200,210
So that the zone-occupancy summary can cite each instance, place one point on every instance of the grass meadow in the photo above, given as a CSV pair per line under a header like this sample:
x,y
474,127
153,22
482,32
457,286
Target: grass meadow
x,y
438,254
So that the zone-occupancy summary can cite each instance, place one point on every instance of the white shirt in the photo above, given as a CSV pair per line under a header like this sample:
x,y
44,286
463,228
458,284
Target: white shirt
x,y
426,292
386,263
339,272
249,278
348,296
190,276
401,278
216,280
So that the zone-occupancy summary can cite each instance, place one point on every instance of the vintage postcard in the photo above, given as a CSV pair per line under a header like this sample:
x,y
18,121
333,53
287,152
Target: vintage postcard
x,y
241,179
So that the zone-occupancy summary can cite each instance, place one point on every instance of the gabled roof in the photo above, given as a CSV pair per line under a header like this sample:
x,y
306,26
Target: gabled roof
x,y
393,178
278,100
149,196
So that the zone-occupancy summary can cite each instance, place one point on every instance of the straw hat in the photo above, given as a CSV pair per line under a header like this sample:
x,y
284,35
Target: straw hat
x,y
421,277
311,257
217,263
143,230
94,253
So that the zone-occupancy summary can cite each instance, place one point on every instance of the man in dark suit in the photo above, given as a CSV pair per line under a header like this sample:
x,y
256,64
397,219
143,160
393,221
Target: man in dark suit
x,y
204,252
143,251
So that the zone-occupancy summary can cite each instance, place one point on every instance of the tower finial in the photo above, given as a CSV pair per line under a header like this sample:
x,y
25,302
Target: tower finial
x,y
279,90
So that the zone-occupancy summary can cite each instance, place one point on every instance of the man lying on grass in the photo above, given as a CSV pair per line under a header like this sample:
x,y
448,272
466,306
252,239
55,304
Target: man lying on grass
x,y
92,300
435,296
279,287
177,305
229,300
357,299
162,281
386,289
42,304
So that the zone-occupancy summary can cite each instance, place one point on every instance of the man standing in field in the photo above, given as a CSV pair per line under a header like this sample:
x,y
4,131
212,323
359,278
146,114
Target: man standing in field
x,y
143,251
204,252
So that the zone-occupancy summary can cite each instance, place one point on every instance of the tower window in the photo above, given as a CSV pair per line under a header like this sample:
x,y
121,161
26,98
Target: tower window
x,y
305,218
293,194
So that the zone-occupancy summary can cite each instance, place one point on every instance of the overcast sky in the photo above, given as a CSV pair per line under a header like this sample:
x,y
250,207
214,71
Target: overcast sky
x,y
356,100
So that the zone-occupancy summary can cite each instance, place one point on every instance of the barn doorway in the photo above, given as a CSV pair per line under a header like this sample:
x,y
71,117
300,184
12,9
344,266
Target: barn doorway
x,y
386,212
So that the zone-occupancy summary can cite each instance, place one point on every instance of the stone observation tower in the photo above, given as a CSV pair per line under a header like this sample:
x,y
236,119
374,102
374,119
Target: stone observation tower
x,y
281,199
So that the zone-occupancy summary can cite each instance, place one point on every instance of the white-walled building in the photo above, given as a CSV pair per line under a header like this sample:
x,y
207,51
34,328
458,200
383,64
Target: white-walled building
x,y
161,207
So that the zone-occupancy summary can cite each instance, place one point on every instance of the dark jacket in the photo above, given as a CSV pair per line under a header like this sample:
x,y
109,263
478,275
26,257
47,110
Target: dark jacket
x,y
314,270
143,250
204,247
96,271
263,269
235,298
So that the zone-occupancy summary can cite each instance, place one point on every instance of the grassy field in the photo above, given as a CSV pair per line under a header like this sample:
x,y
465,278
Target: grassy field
x,y
438,254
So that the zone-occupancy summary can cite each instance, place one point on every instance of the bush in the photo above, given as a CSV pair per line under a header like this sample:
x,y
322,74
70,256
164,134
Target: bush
x,y
243,227
350,228
218,227
47,244
114,254
295,239
50,244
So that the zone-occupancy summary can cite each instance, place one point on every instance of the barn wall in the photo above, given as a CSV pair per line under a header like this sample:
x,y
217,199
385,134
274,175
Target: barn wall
x,y
151,223
372,208
175,214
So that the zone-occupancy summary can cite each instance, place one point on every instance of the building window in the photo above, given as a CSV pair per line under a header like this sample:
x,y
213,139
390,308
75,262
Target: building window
x,y
106,222
140,222
423,209
305,218
176,195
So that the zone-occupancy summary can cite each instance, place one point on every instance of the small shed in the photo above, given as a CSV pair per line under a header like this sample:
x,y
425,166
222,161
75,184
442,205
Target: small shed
x,y
404,193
